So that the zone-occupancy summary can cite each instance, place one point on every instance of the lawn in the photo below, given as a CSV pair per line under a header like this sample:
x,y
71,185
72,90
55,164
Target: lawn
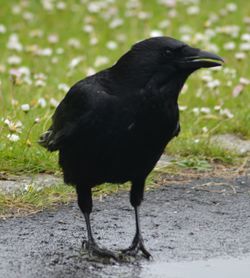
x,y
46,46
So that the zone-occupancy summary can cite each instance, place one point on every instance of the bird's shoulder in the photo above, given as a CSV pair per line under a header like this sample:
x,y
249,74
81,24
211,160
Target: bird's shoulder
x,y
77,110
82,97
86,91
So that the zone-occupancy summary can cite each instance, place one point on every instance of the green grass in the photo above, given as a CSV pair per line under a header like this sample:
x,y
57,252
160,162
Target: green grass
x,y
26,156
33,200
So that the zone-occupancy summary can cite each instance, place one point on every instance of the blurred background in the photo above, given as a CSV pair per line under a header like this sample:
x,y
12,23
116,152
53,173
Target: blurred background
x,y
48,45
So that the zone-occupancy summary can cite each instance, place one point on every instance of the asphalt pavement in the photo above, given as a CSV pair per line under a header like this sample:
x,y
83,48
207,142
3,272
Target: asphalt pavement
x,y
185,222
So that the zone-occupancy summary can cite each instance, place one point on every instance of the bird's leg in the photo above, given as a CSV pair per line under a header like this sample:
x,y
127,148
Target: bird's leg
x,y
91,245
137,243
85,204
136,196
90,241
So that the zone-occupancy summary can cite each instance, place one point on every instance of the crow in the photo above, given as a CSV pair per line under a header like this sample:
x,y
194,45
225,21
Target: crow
x,y
113,126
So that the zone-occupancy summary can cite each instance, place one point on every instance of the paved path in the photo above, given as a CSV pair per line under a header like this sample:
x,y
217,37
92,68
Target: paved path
x,y
205,218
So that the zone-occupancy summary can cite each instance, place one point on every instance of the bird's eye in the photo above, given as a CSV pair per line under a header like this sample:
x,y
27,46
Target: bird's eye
x,y
168,53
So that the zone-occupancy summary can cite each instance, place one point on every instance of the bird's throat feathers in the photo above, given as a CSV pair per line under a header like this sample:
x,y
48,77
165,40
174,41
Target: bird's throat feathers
x,y
165,87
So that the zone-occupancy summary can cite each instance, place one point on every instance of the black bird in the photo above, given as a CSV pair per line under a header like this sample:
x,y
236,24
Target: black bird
x,y
113,126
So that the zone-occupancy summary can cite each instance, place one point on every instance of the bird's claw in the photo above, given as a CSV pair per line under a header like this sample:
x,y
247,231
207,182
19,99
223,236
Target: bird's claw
x,y
136,246
94,250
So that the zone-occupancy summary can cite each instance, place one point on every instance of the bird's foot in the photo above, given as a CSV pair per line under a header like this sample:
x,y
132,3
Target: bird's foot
x,y
95,251
136,246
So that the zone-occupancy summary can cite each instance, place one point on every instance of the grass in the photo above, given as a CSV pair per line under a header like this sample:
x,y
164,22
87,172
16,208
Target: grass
x,y
34,24
32,200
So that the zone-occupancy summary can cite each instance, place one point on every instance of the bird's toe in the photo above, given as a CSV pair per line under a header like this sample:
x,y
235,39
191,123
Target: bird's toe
x,y
134,249
95,251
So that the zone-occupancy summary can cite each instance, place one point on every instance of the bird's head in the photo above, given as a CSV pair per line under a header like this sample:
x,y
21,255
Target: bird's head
x,y
165,55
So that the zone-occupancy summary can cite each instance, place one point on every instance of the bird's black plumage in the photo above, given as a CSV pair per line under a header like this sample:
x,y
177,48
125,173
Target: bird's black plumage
x,y
113,126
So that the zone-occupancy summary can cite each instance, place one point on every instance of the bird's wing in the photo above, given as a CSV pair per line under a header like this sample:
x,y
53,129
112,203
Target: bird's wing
x,y
76,110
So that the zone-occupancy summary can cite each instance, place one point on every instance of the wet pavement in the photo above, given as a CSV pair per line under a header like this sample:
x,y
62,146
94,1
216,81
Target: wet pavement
x,y
223,268
199,229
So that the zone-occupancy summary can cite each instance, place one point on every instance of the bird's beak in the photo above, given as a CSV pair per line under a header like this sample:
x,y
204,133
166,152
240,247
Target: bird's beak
x,y
203,59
